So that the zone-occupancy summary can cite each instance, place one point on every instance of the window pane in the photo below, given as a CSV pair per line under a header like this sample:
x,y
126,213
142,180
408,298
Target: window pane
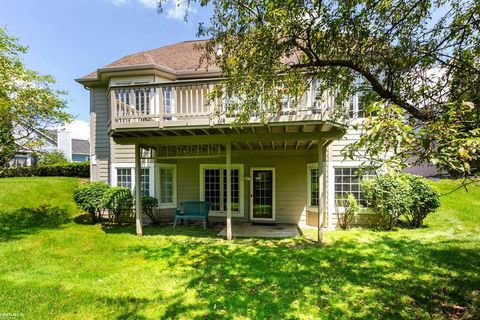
x,y
124,178
314,187
167,98
166,185
212,188
145,181
142,100
235,190
347,182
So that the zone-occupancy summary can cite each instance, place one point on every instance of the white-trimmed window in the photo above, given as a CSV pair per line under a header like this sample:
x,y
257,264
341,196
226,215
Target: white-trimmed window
x,y
145,181
356,107
213,188
167,185
347,181
123,175
142,100
124,178
167,99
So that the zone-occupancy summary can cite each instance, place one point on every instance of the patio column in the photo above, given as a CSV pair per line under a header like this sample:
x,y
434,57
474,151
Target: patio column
x,y
229,189
321,189
138,191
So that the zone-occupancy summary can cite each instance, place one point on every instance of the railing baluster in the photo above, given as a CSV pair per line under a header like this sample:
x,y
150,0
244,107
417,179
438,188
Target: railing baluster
x,y
190,109
161,106
201,98
197,100
173,101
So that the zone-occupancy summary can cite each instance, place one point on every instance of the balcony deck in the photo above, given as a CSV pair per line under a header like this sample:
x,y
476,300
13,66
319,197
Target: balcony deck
x,y
187,105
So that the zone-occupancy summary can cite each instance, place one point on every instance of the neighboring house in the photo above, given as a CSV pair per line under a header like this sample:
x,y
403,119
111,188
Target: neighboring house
x,y
152,108
74,150
27,158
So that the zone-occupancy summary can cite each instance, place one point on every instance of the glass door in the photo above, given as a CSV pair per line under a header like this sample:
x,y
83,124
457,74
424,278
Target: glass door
x,y
262,194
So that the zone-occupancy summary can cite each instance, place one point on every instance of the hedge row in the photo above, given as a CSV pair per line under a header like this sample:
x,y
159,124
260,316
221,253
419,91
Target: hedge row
x,y
74,169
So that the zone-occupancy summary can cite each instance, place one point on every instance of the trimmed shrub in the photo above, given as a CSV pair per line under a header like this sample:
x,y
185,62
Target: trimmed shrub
x,y
352,208
73,169
424,199
90,198
119,202
149,204
389,197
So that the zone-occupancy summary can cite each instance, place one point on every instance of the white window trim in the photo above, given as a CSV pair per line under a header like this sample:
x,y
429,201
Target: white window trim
x,y
331,184
241,198
131,166
310,166
356,119
174,178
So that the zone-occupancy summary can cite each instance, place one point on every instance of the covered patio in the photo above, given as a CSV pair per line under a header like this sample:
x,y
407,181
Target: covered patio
x,y
202,141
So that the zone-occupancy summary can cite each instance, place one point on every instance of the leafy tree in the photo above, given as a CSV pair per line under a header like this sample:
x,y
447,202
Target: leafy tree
x,y
28,102
54,157
418,59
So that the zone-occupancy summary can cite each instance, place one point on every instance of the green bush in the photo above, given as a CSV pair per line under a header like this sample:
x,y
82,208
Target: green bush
x,y
90,198
352,208
424,200
74,169
149,204
119,202
389,197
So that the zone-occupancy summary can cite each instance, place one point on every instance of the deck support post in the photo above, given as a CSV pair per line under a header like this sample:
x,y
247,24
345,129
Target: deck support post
x,y
229,189
321,189
138,191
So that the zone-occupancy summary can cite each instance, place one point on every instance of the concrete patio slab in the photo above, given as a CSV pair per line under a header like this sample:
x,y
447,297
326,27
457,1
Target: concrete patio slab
x,y
247,230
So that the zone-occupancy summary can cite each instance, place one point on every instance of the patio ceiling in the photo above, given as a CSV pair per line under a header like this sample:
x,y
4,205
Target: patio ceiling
x,y
207,140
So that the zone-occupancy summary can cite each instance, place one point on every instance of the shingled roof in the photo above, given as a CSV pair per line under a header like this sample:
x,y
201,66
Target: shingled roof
x,y
80,146
182,56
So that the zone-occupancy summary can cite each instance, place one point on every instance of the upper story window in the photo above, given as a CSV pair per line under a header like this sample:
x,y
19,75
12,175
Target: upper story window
x,y
142,100
356,107
168,99
129,100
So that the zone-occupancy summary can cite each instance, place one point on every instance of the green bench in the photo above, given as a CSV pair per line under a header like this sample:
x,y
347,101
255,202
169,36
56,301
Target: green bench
x,y
192,210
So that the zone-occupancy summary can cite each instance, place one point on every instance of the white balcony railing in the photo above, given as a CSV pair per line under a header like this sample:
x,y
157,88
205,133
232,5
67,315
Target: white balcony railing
x,y
158,105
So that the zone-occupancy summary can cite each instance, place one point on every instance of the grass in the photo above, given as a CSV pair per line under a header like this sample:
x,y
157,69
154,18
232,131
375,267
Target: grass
x,y
79,271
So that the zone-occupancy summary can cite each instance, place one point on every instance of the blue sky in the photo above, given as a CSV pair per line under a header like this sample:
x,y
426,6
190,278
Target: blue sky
x,y
70,38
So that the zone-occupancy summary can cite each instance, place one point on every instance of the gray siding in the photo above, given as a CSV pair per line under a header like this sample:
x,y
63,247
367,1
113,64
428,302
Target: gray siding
x,y
100,139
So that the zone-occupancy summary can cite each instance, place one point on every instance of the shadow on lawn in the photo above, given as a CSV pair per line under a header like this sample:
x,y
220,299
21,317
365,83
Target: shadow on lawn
x,y
167,230
23,221
385,278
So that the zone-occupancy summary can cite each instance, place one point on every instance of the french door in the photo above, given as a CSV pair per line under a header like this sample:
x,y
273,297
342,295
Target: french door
x,y
262,194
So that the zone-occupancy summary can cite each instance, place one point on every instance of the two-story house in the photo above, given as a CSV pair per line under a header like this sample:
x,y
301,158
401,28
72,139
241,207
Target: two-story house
x,y
151,127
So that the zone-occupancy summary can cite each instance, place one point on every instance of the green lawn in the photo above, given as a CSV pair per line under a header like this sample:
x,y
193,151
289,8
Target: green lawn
x,y
51,269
